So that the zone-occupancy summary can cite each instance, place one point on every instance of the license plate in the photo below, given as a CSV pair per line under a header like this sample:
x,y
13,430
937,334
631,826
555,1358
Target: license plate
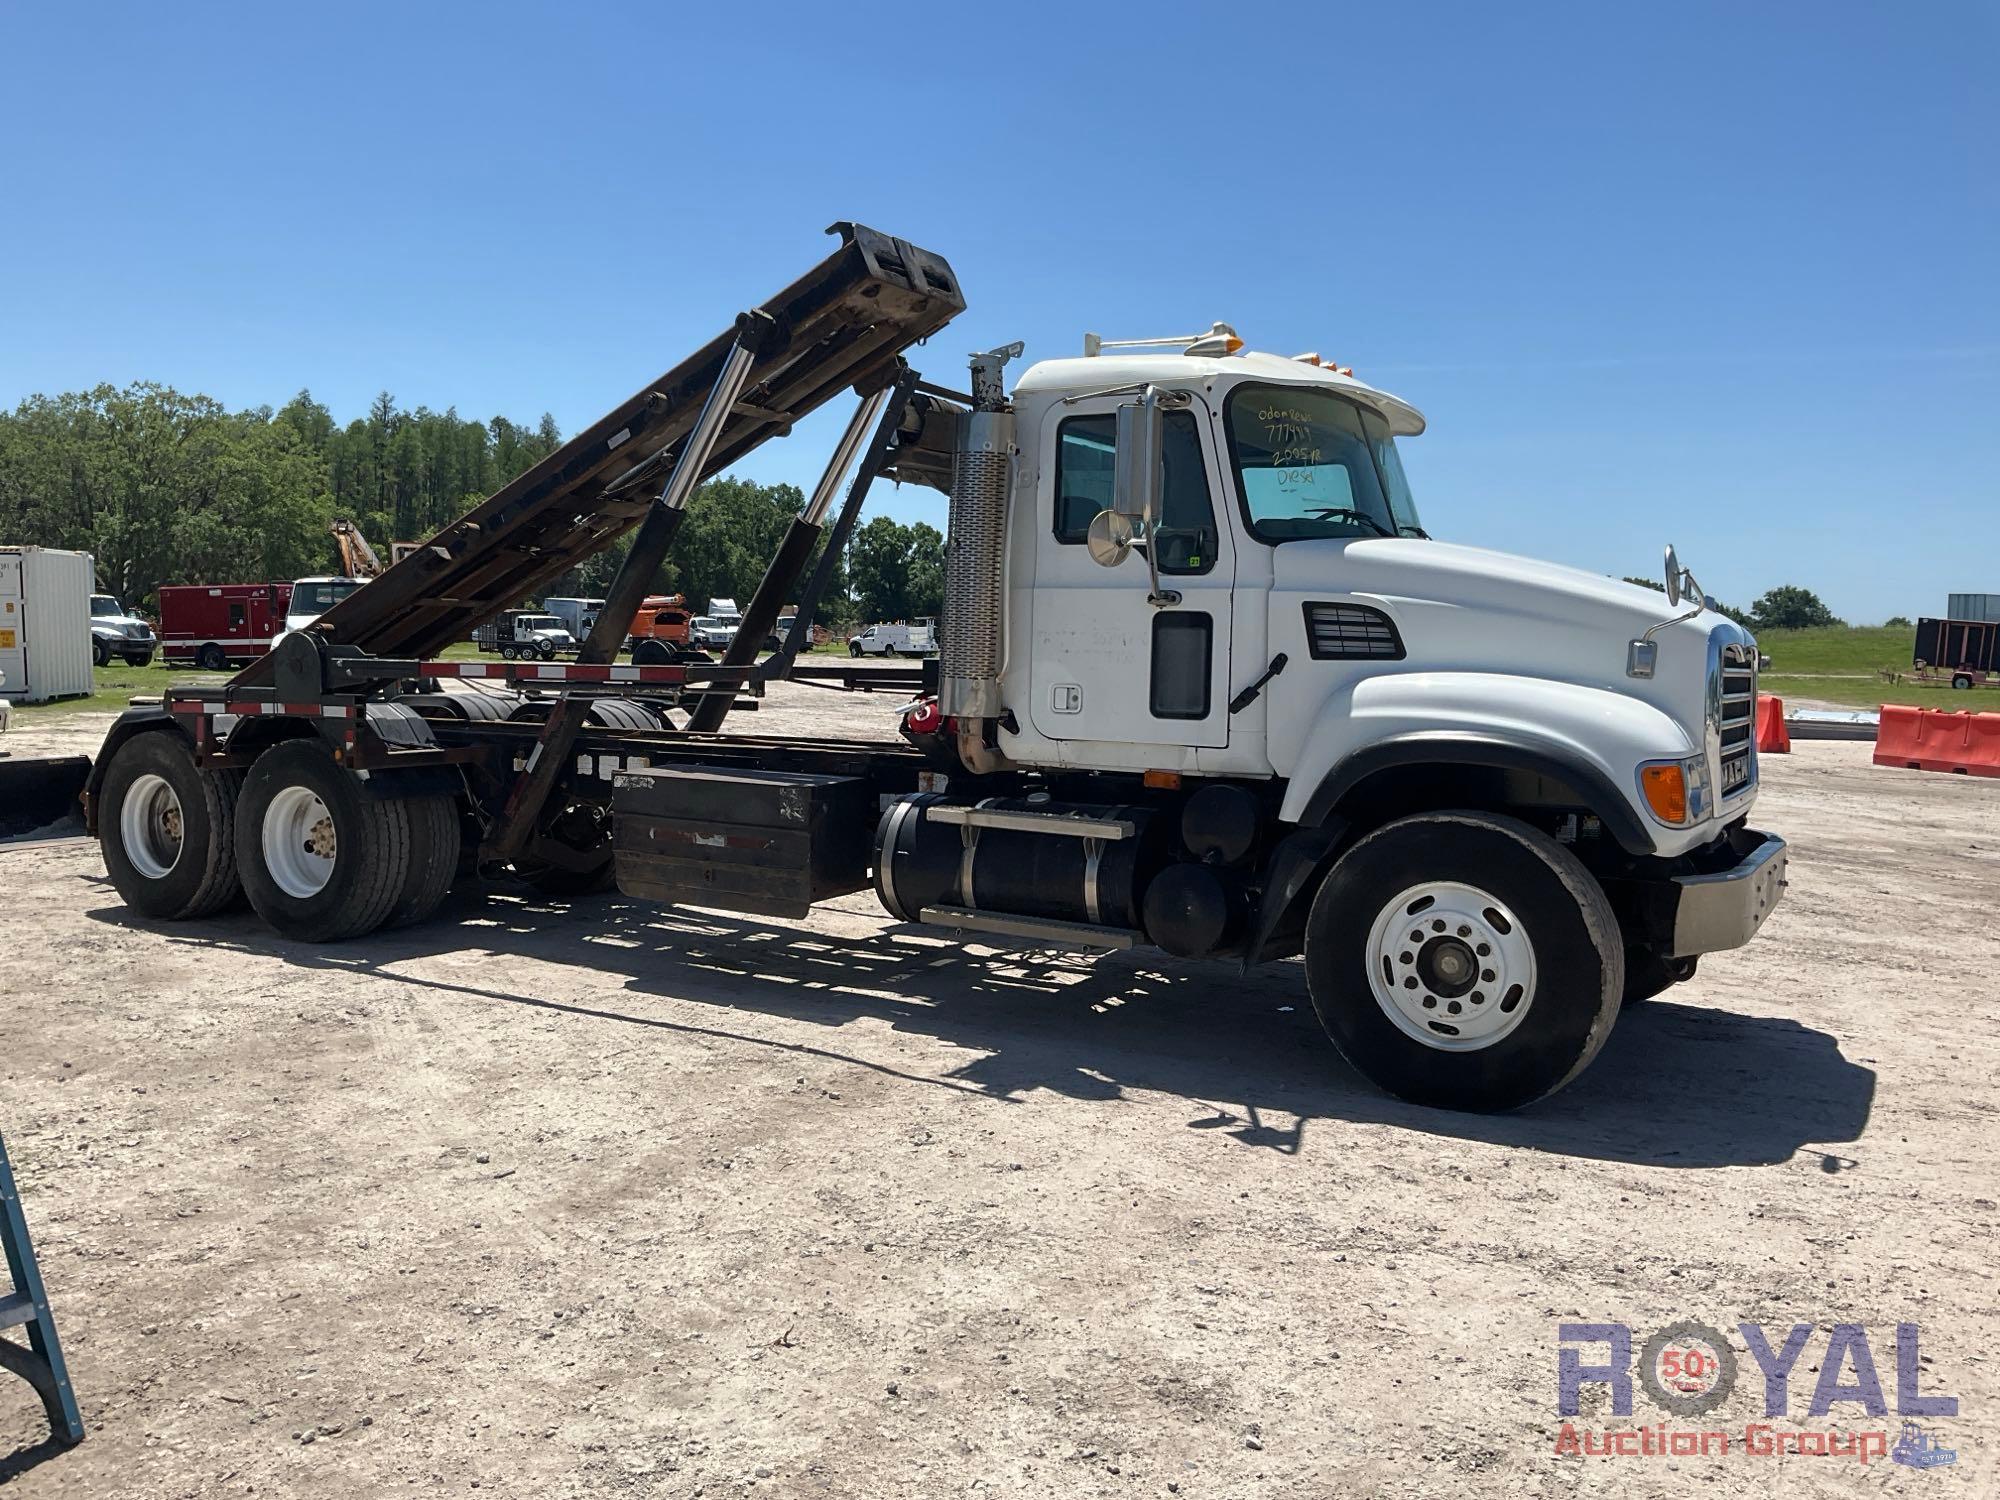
x,y
1735,773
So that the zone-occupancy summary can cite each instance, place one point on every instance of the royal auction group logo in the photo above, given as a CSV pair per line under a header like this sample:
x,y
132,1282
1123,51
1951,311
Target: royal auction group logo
x,y
1689,1370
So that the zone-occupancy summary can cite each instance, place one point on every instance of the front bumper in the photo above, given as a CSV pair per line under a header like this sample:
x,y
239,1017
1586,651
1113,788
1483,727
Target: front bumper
x,y
1724,908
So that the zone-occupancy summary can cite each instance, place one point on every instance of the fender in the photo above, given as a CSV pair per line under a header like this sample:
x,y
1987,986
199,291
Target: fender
x,y
131,723
1589,737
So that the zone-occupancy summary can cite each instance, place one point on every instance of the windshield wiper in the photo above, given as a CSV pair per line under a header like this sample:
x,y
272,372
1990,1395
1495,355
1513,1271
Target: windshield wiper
x,y
1348,513
1410,528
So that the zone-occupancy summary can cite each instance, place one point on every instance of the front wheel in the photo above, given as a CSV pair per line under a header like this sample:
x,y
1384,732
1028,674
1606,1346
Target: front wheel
x,y
321,859
854,648
1961,680
100,653
212,658
546,650
1465,961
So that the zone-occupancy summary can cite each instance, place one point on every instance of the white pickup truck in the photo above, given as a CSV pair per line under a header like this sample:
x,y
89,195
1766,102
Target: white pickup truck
x,y
899,639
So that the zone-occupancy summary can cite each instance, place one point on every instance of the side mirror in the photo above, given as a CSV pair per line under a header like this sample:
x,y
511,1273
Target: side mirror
x,y
1138,478
1109,538
1673,577
1136,473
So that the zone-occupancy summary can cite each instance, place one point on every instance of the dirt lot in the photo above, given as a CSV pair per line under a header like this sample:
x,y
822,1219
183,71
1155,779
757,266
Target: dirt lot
x,y
614,1200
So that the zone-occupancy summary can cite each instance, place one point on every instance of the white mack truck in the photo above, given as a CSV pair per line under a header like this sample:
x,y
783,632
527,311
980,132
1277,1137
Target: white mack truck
x,y
1205,684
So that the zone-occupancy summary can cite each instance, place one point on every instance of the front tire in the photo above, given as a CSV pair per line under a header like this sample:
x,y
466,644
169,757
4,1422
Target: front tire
x,y
1464,961
1961,680
100,653
321,860
212,658
168,830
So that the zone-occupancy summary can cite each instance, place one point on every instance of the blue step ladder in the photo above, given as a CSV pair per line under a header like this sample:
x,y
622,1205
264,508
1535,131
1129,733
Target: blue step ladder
x,y
41,1362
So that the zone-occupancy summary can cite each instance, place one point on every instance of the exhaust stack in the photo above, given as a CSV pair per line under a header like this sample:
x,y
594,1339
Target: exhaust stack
x,y
975,561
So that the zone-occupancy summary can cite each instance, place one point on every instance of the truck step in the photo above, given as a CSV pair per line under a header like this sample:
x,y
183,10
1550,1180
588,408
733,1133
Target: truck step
x,y
1067,825
1042,929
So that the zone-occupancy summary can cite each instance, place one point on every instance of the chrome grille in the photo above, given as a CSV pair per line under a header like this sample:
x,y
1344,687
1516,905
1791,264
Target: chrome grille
x,y
1738,719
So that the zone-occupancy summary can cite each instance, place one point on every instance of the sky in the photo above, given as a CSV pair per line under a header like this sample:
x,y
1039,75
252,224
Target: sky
x,y
1722,275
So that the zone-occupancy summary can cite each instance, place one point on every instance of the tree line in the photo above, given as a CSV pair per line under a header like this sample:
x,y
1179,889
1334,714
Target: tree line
x,y
1786,607
162,487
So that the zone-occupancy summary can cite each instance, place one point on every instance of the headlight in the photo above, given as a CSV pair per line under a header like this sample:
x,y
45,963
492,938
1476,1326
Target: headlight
x,y
1675,791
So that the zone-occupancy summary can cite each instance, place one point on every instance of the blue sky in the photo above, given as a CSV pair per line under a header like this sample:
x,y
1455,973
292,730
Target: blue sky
x,y
1720,274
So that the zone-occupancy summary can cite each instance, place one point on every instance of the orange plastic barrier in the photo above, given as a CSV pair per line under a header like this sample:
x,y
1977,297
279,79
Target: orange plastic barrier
x,y
1929,739
1771,736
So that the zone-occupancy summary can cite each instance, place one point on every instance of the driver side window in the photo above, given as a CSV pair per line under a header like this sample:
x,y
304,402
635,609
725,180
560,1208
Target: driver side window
x,y
1086,453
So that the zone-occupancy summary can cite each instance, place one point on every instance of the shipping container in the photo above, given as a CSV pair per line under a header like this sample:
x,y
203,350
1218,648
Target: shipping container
x,y
1975,607
217,626
45,623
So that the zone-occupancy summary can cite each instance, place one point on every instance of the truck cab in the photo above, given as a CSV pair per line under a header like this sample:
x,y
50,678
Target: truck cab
x,y
116,632
1288,537
313,597
1497,796
522,635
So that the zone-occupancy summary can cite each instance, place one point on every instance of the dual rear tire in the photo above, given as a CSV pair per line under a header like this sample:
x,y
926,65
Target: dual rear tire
x,y
319,855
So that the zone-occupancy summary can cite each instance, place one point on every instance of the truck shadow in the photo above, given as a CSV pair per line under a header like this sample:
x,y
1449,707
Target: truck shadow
x,y
1678,1084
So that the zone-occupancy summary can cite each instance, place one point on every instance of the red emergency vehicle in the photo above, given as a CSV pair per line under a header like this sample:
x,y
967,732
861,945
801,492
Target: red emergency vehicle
x,y
216,626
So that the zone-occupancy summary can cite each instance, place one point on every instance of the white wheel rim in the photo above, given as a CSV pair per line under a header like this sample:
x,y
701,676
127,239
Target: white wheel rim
x,y
150,827
1451,966
299,842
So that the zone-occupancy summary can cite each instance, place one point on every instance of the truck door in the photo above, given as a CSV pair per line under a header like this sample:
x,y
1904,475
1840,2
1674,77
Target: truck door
x,y
1108,665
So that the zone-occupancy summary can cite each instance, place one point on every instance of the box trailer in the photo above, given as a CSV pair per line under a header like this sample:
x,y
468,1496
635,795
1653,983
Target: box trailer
x,y
1965,653
216,626
578,615
45,638
1235,704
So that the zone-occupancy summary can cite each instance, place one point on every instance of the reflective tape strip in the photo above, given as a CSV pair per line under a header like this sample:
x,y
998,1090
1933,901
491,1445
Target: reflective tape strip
x,y
244,709
553,671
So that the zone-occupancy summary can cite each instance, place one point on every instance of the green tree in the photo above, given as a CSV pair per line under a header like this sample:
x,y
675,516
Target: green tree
x,y
1741,617
1790,607
162,487
1901,622
926,571
878,562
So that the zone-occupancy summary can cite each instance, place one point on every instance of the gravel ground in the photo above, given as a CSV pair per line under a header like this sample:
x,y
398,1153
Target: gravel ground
x,y
615,1200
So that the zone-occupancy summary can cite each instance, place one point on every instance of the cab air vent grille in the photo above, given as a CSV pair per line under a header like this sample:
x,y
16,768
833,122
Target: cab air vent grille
x,y
1351,632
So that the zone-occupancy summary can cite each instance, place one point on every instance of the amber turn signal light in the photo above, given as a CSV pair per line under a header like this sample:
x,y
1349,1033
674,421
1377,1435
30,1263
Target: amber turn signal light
x,y
1666,792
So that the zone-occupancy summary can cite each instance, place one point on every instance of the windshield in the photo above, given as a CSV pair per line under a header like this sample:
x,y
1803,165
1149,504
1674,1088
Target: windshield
x,y
106,604
543,622
1314,464
316,599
